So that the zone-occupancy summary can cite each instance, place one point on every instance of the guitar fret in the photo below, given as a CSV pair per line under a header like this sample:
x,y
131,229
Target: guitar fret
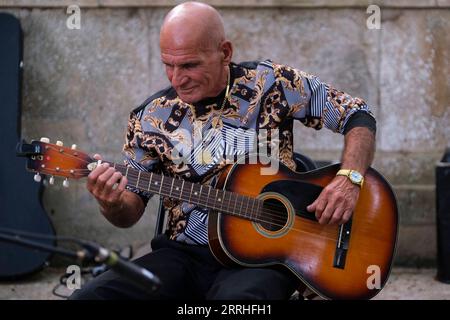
x,y
253,208
221,200
139,177
217,192
162,181
182,190
240,210
243,212
246,210
258,208
190,193
224,196
171,187
177,188
150,181
207,197
200,194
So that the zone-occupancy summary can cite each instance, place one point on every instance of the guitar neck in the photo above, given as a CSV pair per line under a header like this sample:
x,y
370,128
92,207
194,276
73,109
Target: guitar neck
x,y
194,193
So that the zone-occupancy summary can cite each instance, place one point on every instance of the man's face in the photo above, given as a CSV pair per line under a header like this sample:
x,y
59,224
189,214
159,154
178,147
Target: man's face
x,y
195,73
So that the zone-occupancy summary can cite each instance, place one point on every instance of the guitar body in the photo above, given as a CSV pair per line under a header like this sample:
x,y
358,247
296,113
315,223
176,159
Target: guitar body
x,y
331,262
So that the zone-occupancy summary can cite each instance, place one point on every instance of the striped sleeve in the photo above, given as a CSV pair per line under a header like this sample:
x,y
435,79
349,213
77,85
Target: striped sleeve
x,y
330,107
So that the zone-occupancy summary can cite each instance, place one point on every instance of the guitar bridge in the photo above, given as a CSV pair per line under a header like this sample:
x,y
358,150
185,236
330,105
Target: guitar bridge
x,y
342,245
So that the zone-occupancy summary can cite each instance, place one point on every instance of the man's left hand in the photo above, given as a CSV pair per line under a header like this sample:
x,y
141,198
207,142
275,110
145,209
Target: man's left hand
x,y
336,202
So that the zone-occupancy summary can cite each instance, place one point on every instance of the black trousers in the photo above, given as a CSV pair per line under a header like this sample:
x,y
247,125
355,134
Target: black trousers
x,y
191,272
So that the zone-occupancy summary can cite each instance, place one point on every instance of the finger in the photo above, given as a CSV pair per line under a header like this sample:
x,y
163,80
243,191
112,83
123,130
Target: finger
x,y
347,215
120,187
113,179
312,206
97,157
327,213
103,178
336,218
320,207
111,185
94,175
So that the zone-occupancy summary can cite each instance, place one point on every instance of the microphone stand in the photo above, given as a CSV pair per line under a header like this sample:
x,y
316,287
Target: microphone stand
x,y
91,252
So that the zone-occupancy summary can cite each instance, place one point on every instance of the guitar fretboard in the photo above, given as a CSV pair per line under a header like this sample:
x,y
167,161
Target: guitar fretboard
x,y
194,193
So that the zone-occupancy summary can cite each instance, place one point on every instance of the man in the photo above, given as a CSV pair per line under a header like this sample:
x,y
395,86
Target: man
x,y
214,99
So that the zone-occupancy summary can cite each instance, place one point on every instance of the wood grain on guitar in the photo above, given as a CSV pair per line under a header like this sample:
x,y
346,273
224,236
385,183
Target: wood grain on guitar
x,y
260,220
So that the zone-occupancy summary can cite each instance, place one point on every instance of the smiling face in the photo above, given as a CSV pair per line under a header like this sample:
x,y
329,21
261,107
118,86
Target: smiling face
x,y
194,52
195,73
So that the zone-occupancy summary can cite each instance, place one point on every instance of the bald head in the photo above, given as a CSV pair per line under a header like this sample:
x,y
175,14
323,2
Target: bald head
x,y
192,23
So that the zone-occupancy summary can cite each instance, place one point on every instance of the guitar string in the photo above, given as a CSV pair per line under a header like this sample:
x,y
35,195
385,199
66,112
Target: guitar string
x,y
280,223
260,220
273,213
270,213
273,221
312,224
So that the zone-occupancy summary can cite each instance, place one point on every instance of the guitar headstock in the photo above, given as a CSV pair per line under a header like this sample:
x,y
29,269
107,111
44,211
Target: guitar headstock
x,y
55,160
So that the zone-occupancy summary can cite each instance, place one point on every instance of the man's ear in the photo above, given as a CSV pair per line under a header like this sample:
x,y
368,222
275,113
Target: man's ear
x,y
227,52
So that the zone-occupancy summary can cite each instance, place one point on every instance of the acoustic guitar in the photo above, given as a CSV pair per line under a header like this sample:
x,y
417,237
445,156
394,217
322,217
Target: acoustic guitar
x,y
258,220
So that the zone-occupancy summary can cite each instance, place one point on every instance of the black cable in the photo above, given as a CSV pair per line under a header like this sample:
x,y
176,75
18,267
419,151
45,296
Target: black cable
x,y
41,236
39,246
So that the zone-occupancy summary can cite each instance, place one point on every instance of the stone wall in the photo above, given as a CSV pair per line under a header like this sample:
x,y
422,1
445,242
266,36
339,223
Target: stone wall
x,y
79,86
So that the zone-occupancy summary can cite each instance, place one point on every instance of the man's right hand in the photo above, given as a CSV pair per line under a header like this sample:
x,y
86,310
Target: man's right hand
x,y
107,186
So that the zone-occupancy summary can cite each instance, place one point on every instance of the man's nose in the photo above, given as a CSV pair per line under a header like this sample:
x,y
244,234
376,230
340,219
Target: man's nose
x,y
178,78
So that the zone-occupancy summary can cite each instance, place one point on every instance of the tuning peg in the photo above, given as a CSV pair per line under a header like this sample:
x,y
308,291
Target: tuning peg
x,y
59,143
74,146
37,177
51,180
46,140
66,183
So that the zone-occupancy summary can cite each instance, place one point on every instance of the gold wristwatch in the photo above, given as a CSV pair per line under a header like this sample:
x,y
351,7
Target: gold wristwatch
x,y
354,176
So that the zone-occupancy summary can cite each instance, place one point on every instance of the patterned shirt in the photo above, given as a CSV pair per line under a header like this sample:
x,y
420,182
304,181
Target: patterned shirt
x,y
169,136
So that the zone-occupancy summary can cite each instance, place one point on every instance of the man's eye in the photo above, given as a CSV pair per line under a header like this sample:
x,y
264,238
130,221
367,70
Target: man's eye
x,y
190,65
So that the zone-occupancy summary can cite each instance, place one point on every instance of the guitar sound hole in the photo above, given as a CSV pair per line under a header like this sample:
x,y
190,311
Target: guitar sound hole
x,y
274,216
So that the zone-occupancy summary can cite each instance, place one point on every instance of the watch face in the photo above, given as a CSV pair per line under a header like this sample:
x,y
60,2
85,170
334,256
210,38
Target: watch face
x,y
356,177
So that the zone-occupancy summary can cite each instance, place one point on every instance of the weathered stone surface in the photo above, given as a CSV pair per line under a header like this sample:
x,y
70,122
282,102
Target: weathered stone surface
x,y
47,3
95,75
414,81
407,167
291,37
233,3
416,245
416,204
